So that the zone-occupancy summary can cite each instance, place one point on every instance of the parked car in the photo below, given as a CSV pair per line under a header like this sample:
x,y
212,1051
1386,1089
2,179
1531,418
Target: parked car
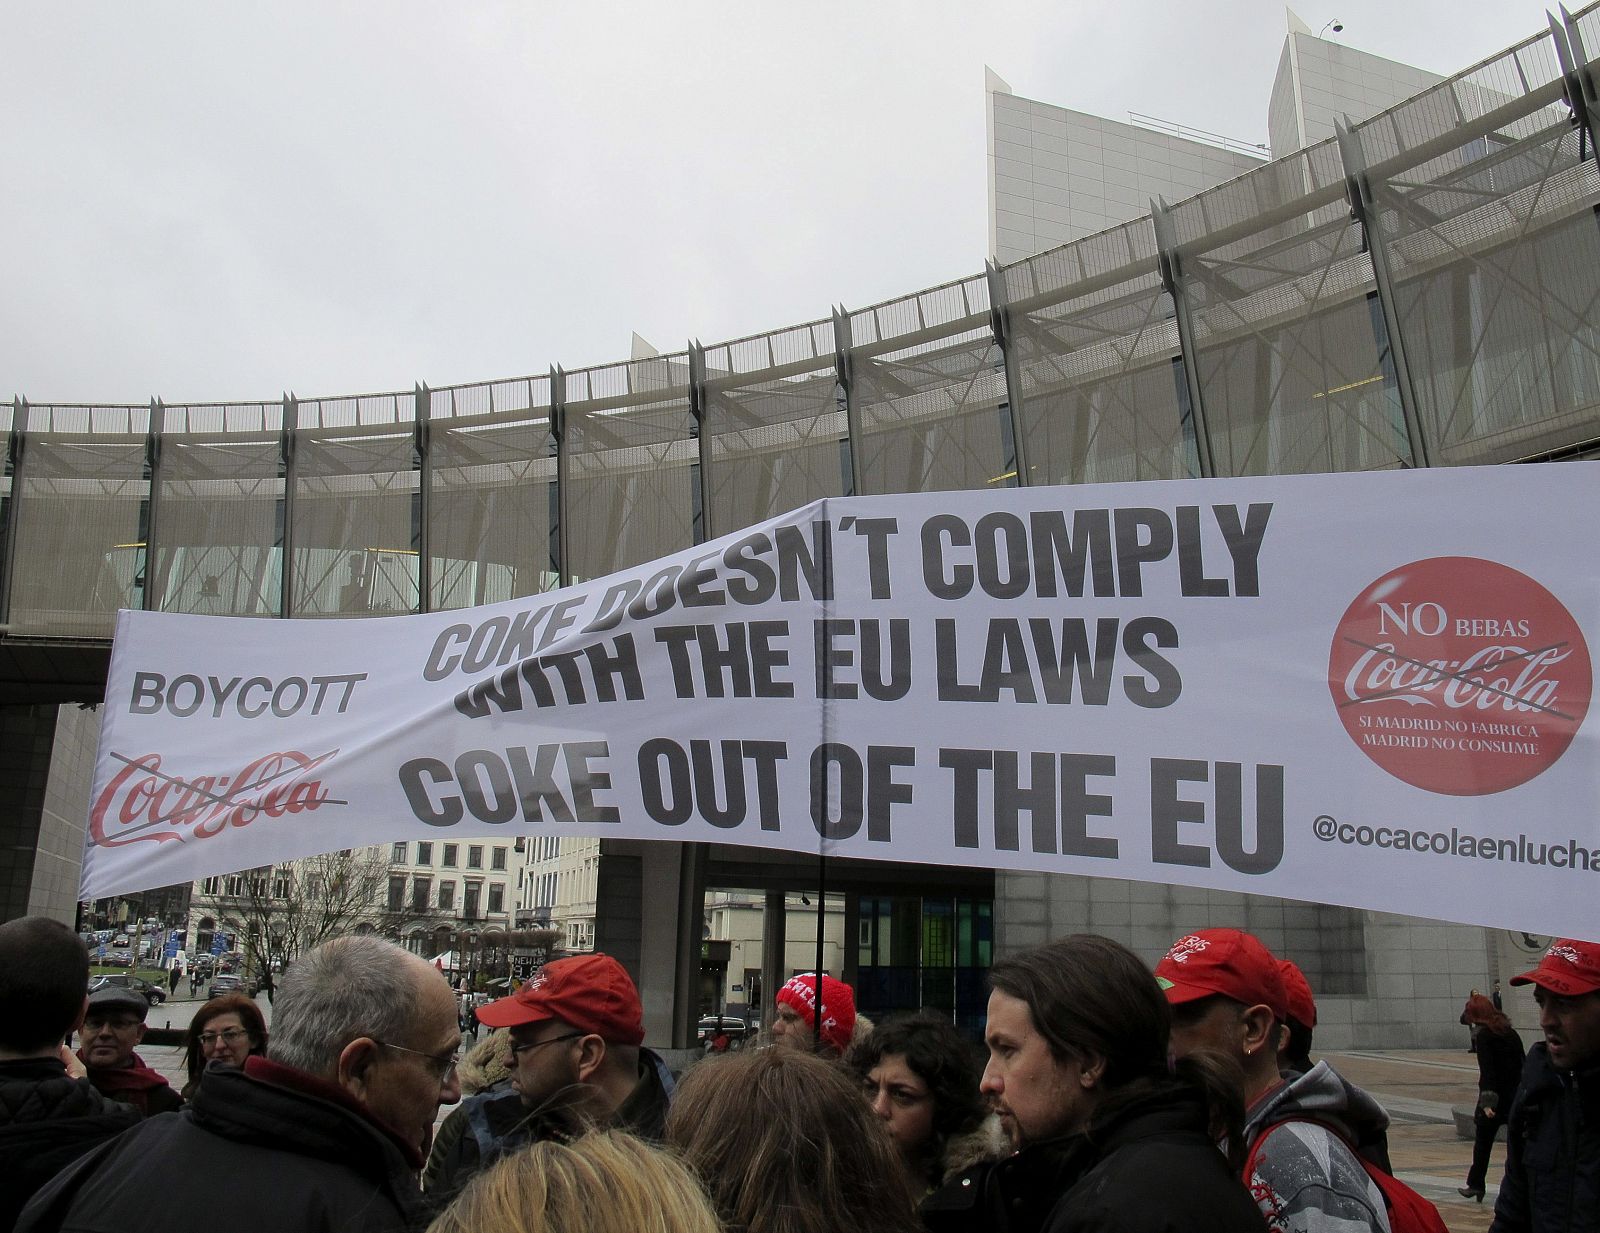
x,y
729,1026
226,984
154,994
119,958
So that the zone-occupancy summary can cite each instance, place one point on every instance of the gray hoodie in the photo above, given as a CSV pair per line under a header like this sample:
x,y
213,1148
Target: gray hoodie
x,y
1305,1179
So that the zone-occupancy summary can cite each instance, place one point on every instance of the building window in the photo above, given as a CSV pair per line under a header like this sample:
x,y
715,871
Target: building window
x,y
397,891
449,856
234,884
419,894
469,908
475,857
280,885
397,854
497,897
424,854
210,886
497,858
447,896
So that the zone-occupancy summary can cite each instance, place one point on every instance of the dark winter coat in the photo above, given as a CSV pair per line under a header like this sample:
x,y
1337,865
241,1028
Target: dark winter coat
x,y
48,1120
283,1150
1552,1181
492,1123
1500,1061
1152,1168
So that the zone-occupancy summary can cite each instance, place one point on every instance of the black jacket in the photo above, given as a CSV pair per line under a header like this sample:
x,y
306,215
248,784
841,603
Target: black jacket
x,y
1552,1181
492,1123
1500,1062
282,1150
47,1121
1153,1168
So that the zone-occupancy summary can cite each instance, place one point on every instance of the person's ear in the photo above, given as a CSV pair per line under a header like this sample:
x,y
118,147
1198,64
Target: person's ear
x,y
1259,1030
1092,1070
354,1068
591,1057
138,1036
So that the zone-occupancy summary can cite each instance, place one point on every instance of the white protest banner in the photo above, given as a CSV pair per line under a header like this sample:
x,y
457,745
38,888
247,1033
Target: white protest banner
x,y
1363,689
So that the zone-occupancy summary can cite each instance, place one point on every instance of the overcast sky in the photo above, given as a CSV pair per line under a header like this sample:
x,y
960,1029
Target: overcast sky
x,y
227,201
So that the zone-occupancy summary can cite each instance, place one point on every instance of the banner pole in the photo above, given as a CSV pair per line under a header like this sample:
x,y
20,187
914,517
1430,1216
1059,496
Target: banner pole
x,y
822,910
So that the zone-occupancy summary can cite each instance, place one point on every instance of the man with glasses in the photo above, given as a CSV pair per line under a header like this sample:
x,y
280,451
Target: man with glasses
x,y
327,1132
113,1026
576,1034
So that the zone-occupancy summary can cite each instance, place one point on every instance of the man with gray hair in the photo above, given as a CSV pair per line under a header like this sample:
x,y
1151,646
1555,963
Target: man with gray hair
x,y
327,1132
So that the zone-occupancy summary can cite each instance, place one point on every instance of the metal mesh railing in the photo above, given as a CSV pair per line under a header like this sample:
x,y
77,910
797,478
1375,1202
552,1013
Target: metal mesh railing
x,y
1485,199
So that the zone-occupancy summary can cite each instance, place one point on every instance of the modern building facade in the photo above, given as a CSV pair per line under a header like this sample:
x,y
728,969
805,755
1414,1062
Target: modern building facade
x,y
1417,290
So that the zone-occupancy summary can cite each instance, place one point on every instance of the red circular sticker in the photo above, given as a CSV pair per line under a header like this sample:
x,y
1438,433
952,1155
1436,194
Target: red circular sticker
x,y
1459,675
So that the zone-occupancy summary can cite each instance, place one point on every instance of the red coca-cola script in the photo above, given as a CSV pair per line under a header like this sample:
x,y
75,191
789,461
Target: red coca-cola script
x,y
1459,675
145,801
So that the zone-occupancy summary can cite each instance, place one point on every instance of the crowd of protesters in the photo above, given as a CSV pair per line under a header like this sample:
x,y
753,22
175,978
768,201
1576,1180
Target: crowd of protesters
x,y
1109,1096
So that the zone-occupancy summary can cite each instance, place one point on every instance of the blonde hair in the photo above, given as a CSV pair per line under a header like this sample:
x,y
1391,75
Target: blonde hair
x,y
604,1182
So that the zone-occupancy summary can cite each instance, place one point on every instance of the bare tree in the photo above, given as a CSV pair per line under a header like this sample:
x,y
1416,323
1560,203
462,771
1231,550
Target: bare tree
x,y
279,911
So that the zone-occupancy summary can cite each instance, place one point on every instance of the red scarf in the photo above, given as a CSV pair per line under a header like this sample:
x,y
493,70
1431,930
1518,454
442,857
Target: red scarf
x,y
131,1084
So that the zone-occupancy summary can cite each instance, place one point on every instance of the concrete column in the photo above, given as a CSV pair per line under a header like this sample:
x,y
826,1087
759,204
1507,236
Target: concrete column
x,y
774,939
656,936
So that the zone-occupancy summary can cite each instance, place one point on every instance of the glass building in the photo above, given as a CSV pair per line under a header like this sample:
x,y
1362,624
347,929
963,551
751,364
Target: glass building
x,y
1417,290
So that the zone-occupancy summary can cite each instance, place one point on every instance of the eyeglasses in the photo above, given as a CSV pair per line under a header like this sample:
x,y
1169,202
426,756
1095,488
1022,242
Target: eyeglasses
x,y
123,1024
517,1050
227,1036
442,1066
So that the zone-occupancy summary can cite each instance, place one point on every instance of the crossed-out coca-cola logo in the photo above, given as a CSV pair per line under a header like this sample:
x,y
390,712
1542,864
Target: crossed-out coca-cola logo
x,y
144,801
1459,675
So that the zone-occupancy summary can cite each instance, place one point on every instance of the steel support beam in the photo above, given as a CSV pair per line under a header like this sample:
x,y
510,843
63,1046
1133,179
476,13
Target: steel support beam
x,y
287,436
151,598
1171,265
1000,327
1363,206
1579,81
704,526
558,434
16,442
422,533
844,374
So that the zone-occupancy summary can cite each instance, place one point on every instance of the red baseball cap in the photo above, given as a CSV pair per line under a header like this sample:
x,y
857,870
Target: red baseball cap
x,y
1302,1007
1569,967
591,992
1229,962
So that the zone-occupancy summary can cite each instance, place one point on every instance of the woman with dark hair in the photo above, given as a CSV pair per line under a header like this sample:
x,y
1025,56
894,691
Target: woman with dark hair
x,y
1108,1135
920,1076
228,1029
1500,1055
785,1145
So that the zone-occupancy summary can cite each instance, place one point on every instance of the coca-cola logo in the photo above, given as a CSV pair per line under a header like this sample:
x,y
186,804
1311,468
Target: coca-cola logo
x,y
1459,675
145,801
1186,946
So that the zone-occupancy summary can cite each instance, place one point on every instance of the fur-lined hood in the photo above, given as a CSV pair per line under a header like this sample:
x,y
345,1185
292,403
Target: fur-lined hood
x,y
487,1063
986,1143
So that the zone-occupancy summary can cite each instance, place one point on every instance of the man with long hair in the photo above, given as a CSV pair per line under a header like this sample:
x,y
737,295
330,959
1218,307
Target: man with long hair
x,y
1107,1136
